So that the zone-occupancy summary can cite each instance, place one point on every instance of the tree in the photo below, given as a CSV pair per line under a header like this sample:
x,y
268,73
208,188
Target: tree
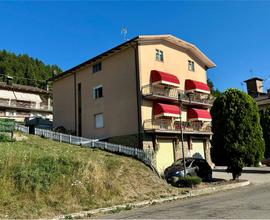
x,y
214,92
25,70
237,134
265,123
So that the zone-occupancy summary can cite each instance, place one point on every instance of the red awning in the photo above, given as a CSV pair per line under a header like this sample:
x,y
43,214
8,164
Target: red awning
x,y
166,110
192,85
158,77
195,114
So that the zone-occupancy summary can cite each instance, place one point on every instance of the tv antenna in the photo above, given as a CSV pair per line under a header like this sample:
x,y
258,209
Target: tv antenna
x,y
124,32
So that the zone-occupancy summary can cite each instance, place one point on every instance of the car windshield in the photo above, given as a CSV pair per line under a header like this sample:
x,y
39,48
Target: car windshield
x,y
181,162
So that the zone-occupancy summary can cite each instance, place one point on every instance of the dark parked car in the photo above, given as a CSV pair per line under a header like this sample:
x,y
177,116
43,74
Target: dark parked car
x,y
194,167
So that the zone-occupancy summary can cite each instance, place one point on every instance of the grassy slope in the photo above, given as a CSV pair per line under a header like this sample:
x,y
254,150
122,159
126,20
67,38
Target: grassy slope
x,y
43,178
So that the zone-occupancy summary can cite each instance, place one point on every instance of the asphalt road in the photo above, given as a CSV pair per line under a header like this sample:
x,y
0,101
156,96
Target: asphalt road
x,y
251,202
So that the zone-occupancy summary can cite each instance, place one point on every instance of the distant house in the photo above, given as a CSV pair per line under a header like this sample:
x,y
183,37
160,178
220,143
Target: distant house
x,y
255,90
19,102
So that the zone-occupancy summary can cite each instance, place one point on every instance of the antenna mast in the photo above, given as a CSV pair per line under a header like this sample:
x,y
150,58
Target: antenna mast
x,y
124,32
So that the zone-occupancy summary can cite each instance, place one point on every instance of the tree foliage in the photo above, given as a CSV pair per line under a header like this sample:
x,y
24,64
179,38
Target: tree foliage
x,y
25,70
265,123
214,92
237,134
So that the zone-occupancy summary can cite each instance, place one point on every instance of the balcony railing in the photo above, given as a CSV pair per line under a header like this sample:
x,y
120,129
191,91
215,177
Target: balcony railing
x,y
156,92
174,126
24,105
193,98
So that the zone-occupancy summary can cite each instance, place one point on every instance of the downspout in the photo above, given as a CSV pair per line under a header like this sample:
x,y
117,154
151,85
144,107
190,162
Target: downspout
x,y
75,102
138,91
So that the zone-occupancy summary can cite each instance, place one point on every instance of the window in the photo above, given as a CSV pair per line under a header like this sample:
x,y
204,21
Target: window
x,y
98,92
159,55
191,66
99,122
97,67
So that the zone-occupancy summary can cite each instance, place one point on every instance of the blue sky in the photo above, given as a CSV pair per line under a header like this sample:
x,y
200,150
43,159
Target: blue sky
x,y
234,34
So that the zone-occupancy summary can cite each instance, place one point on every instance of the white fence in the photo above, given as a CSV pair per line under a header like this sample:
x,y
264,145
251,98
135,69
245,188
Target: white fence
x,y
145,156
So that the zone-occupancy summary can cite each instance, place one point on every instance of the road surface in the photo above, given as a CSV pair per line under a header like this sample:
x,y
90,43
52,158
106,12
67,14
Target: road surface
x,y
251,202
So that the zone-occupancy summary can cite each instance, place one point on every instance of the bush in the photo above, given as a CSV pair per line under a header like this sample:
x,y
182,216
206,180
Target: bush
x,y
5,138
189,181
237,134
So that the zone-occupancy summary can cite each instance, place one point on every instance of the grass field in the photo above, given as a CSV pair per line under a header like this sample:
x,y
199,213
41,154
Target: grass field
x,y
43,178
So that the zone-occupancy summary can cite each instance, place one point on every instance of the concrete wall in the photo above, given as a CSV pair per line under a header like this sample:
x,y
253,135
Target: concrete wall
x,y
63,104
175,62
118,104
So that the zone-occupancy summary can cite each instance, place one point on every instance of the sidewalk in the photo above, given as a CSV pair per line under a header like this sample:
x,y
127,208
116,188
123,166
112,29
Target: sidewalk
x,y
256,175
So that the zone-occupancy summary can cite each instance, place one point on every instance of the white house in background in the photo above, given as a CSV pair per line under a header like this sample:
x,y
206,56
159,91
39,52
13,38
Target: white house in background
x,y
19,102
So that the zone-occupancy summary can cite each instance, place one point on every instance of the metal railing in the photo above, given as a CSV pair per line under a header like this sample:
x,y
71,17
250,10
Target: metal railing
x,y
173,93
151,90
170,125
24,105
145,156
197,98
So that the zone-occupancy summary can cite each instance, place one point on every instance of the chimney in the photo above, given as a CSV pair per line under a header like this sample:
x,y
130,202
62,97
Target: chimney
x,y
254,86
9,80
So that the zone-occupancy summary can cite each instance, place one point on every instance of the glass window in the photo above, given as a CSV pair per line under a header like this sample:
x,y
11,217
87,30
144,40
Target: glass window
x,y
191,66
159,55
97,67
99,122
98,92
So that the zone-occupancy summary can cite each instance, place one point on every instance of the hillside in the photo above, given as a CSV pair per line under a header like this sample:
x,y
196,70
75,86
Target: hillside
x,y
43,178
25,70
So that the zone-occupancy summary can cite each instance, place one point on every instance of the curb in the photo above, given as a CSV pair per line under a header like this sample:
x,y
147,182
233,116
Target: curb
x,y
127,206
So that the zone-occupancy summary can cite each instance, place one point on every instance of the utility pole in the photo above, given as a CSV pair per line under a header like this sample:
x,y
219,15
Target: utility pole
x,y
182,136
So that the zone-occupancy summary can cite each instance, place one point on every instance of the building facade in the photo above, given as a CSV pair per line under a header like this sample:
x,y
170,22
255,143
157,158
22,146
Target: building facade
x,y
19,102
135,94
255,90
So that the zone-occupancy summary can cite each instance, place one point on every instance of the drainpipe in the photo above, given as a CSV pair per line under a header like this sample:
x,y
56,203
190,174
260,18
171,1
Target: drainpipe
x,y
138,91
75,102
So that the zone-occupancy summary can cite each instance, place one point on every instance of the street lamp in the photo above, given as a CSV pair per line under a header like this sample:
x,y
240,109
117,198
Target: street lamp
x,y
181,131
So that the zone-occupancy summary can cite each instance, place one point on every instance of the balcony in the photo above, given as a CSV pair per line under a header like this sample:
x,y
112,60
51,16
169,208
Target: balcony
x,y
28,106
154,92
197,99
170,126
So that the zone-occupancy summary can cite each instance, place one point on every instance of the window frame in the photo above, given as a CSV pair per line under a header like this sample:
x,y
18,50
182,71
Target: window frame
x,y
95,120
191,66
97,67
94,92
159,55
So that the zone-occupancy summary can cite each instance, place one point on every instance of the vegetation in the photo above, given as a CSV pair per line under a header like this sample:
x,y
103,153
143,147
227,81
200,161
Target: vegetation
x,y
189,181
265,123
25,70
43,178
214,92
237,134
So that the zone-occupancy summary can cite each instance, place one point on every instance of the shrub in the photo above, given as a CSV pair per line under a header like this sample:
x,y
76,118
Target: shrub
x,y
189,181
237,135
5,138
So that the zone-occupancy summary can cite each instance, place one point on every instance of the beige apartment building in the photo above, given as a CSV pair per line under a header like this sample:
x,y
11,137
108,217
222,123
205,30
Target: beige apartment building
x,y
135,94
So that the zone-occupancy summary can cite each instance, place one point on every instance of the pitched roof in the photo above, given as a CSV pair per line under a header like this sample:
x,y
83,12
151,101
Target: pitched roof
x,y
142,39
23,88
